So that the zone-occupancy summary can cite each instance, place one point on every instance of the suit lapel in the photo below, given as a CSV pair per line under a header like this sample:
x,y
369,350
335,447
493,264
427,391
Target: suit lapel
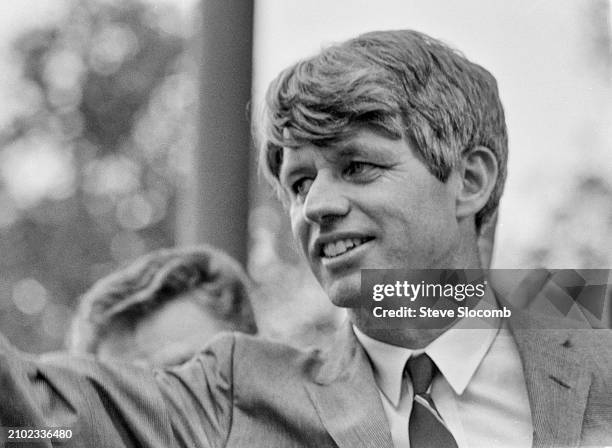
x,y
345,396
557,381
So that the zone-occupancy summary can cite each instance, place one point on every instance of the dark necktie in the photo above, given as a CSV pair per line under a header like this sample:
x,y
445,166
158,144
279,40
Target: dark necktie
x,y
424,428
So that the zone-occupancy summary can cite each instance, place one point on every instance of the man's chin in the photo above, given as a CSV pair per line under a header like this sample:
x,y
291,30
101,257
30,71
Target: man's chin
x,y
344,294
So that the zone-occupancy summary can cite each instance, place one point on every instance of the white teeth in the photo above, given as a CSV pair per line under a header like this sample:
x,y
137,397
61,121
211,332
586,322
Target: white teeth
x,y
341,246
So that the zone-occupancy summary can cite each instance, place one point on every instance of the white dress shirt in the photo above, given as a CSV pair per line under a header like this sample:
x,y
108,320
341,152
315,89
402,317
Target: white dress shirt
x,y
480,394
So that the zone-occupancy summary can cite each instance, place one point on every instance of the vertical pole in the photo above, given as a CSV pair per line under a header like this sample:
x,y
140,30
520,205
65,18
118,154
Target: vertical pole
x,y
215,207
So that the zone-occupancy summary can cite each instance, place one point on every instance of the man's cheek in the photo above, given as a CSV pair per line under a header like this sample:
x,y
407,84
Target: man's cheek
x,y
299,230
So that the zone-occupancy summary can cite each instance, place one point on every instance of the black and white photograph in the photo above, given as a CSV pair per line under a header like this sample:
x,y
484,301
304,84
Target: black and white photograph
x,y
306,223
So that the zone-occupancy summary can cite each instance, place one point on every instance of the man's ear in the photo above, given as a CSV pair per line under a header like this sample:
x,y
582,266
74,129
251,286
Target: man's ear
x,y
479,172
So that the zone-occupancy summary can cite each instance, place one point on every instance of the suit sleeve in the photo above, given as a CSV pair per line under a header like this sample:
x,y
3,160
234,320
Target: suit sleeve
x,y
199,395
116,404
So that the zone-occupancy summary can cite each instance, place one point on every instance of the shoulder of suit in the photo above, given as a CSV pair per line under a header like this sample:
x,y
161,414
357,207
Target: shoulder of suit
x,y
593,345
254,354
595,342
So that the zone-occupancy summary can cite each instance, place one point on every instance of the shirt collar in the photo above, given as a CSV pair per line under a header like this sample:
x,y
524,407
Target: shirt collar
x,y
388,363
457,352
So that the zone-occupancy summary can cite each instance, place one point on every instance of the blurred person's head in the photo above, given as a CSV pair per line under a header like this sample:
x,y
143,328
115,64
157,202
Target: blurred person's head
x,y
163,307
390,151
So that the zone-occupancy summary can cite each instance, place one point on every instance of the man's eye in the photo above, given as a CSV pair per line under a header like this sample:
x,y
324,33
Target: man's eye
x,y
301,186
359,168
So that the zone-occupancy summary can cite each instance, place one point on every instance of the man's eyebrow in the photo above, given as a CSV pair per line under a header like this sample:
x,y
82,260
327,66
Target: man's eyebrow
x,y
356,149
337,153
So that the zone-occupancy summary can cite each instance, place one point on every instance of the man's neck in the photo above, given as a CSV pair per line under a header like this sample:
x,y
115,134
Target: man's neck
x,y
412,338
419,333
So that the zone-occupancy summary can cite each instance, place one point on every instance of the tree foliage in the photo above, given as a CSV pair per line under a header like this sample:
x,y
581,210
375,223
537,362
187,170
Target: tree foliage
x,y
90,166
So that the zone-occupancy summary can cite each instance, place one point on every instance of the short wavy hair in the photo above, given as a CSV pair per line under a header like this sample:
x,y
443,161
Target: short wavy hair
x,y
216,280
403,84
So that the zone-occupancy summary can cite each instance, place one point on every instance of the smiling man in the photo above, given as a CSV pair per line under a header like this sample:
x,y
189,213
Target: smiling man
x,y
390,152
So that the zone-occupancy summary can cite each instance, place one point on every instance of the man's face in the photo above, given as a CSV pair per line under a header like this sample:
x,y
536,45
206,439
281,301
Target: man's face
x,y
368,202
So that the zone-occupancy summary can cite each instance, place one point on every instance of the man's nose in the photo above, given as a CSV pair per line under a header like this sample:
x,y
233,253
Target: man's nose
x,y
326,199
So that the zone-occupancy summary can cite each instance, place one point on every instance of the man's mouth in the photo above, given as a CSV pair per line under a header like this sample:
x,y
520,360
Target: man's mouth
x,y
337,248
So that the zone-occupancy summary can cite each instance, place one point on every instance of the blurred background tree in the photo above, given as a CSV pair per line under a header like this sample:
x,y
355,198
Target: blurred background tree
x,y
579,229
90,166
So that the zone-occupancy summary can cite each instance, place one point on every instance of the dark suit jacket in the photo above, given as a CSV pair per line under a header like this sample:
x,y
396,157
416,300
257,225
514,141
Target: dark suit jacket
x,y
246,392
